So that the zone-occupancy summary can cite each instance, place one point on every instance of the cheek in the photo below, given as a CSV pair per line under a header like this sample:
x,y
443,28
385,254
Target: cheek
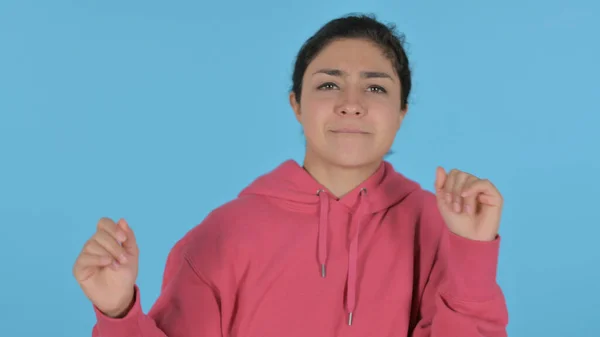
x,y
315,111
387,121
320,100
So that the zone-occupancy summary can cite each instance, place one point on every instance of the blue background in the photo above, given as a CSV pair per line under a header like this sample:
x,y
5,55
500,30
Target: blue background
x,y
161,111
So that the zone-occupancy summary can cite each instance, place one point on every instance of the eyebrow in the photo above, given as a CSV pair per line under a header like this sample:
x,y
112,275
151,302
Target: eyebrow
x,y
363,74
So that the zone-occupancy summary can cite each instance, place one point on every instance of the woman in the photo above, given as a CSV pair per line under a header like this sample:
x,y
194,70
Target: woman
x,y
341,246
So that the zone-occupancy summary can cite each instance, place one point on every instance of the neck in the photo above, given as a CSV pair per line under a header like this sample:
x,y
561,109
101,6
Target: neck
x,y
339,180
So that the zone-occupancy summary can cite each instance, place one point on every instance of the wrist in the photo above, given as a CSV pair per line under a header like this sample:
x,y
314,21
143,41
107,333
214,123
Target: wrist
x,y
472,267
123,309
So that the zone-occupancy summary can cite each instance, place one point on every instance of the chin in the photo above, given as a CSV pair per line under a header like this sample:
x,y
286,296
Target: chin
x,y
355,159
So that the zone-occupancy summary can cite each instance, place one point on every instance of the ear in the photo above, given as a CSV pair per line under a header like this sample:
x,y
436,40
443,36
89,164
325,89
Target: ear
x,y
295,105
401,116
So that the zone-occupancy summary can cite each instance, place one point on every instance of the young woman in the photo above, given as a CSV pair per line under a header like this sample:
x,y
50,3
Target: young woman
x,y
341,246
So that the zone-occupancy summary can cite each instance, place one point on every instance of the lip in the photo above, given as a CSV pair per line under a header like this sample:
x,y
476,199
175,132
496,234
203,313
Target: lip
x,y
349,130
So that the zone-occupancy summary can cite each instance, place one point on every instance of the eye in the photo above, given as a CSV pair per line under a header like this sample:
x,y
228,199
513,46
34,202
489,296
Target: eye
x,y
327,86
377,89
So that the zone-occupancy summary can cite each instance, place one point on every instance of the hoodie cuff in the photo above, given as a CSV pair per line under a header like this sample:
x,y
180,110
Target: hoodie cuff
x,y
120,327
472,268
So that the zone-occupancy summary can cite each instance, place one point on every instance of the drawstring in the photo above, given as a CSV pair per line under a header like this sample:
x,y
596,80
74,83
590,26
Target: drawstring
x,y
353,257
353,253
323,221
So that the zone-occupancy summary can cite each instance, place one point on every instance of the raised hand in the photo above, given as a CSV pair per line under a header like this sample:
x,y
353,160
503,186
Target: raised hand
x,y
471,207
107,267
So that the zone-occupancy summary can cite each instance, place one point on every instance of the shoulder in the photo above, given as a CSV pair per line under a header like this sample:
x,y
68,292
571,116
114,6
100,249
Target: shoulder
x,y
430,217
419,202
430,224
223,236
427,207
420,209
234,220
231,219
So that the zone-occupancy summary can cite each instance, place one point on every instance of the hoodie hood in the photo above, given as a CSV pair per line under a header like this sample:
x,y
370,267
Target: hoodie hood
x,y
291,183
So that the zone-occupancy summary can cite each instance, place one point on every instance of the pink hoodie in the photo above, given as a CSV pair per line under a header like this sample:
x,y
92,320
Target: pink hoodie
x,y
286,258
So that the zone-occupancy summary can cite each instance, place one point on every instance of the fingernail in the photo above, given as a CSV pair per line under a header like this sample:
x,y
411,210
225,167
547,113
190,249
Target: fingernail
x,y
121,236
457,207
115,265
123,258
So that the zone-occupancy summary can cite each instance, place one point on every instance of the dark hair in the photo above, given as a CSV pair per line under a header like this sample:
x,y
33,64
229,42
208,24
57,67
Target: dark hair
x,y
360,27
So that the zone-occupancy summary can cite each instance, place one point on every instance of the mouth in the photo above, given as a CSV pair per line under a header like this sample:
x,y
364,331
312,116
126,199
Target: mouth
x,y
349,131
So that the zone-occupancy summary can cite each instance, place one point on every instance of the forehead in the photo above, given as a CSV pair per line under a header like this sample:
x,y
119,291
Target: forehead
x,y
352,54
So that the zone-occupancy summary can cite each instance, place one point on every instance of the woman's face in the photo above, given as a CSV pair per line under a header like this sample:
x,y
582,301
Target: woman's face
x,y
350,104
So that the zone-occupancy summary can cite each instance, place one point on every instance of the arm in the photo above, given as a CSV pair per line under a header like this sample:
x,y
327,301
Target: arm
x,y
187,306
461,297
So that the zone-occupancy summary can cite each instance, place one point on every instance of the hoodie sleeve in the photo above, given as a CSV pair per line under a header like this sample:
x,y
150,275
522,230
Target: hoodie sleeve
x,y
188,306
461,296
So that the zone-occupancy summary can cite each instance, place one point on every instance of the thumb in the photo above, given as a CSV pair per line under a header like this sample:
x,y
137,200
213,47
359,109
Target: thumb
x,y
130,243
440,181
440,178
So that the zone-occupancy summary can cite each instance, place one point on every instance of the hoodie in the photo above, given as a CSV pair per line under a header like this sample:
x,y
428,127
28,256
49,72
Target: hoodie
x,y
287,258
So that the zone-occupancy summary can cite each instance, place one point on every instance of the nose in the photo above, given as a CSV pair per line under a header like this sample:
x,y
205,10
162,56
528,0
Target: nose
x,y
350,105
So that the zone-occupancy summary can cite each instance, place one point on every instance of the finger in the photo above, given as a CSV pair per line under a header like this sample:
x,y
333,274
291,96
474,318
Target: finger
x,y
92,260
87,263
449,187
488,200
130,243
111,246
93,247
469,201
457,199
485,192
440,178
109,226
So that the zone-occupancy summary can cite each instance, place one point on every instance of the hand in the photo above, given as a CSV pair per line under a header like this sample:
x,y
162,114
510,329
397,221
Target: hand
x,y
107,267
471,207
